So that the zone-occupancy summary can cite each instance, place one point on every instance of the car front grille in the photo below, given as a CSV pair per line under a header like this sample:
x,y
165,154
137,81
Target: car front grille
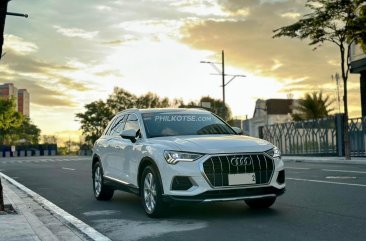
x,y
217,168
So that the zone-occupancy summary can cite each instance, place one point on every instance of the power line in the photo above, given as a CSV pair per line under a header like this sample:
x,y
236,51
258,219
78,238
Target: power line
x,y
222,73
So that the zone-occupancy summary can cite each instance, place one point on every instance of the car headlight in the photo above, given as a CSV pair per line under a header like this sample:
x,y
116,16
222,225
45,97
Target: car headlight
x,y
274,152
173,157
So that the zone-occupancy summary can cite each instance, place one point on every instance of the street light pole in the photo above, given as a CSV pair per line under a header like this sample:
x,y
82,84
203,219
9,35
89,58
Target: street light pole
x,y
3,13
222,73
223,82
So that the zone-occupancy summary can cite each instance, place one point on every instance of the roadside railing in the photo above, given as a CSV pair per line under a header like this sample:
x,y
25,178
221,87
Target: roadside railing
x,y
357,134
322,137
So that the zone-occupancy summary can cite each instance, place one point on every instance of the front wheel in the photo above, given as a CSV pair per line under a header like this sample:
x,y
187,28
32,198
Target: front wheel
x,y
151,192
260,203
101,191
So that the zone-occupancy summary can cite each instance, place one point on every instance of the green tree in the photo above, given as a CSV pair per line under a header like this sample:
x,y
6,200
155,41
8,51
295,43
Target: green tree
x,y
313,106
98,113
14,127
9,119
335,22
94,120
362,18
27,132
216,106
49,139
151,100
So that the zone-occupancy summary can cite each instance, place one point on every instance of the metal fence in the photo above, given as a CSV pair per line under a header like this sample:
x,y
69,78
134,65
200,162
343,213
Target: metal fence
x,y
322,137
357,134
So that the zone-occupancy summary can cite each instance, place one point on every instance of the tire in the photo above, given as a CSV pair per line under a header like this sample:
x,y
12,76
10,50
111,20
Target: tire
x,y
151,193
101,191
260,203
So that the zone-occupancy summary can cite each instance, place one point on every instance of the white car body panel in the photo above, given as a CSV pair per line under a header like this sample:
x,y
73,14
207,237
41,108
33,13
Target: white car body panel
x,y
121,158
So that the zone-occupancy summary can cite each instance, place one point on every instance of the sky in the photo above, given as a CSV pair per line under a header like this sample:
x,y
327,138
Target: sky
x,y
69,53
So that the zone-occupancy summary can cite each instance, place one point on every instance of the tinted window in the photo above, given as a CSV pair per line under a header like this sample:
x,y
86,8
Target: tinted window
x,y
109,127
182,123
117,126
132,123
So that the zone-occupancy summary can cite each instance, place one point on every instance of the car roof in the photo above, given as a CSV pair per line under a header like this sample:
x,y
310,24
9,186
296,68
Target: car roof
x,y
154,110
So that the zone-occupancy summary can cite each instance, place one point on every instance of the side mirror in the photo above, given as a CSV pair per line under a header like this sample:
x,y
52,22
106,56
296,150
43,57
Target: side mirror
x,y
237,130
129,134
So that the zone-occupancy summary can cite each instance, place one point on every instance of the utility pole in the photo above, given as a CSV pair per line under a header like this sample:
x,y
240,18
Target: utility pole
x,y
223,81
3,13
222,73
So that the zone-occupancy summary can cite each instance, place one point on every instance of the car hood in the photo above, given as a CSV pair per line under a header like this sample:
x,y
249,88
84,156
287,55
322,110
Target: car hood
x,y
213,143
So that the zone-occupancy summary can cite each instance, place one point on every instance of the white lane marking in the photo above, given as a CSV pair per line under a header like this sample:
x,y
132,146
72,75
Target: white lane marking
x,y
340,177
299,168
320,181
77,223
99,213
345,171
66,168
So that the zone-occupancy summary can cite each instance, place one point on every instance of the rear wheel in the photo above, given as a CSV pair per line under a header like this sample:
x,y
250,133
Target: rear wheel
x,y
151,192
101,191
260,203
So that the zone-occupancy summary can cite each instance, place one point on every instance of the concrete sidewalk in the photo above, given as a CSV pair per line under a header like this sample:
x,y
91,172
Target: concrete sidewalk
x,y
333,160
39,220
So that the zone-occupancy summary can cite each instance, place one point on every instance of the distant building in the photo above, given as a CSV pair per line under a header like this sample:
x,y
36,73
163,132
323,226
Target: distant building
x,y
8,90
268,112
21,97
23,102
358,66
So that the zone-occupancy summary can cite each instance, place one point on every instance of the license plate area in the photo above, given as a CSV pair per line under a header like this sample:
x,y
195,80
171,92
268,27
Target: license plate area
x,y
242,179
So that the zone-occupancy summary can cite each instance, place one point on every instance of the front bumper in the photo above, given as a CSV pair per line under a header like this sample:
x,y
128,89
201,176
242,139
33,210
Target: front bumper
x,y
203,191
228,195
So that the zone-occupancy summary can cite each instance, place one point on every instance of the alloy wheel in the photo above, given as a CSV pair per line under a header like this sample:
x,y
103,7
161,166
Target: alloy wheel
x,y
150,192
97,181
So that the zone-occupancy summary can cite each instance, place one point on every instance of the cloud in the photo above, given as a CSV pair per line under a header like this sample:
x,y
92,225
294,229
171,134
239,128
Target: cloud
x,y
46,81
72,84
292,15
19,45
124,39
76,32
103,8
249,45
200,7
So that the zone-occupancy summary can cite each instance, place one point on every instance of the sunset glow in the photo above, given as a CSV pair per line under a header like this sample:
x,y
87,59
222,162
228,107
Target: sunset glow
x,y
70,53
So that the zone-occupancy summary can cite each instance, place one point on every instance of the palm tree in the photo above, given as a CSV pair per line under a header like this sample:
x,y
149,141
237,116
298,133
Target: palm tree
x,y
313,106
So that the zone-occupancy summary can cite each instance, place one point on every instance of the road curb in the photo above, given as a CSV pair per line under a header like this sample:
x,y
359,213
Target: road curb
x,y
37,226
330,160
76,223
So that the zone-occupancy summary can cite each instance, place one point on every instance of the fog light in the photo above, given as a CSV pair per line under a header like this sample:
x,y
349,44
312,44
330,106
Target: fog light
x,y
281,177
181,183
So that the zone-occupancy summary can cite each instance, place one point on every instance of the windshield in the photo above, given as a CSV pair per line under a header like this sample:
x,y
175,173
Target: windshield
x,y
181,123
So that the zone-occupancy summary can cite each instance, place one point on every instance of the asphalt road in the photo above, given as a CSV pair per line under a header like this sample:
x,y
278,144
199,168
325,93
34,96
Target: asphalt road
x,y
322,202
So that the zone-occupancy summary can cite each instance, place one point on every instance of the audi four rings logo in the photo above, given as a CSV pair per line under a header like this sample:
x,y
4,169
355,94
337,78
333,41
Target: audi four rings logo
x,y
240,161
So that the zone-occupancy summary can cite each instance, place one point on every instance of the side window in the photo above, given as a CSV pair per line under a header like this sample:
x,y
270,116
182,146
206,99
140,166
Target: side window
x,y
118,125
107,130
132,123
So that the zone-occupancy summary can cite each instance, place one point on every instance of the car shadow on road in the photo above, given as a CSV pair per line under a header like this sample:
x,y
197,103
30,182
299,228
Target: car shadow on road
x,y
131,206
231,210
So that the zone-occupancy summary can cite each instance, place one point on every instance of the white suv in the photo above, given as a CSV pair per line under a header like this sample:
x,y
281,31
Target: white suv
x,y
189,155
